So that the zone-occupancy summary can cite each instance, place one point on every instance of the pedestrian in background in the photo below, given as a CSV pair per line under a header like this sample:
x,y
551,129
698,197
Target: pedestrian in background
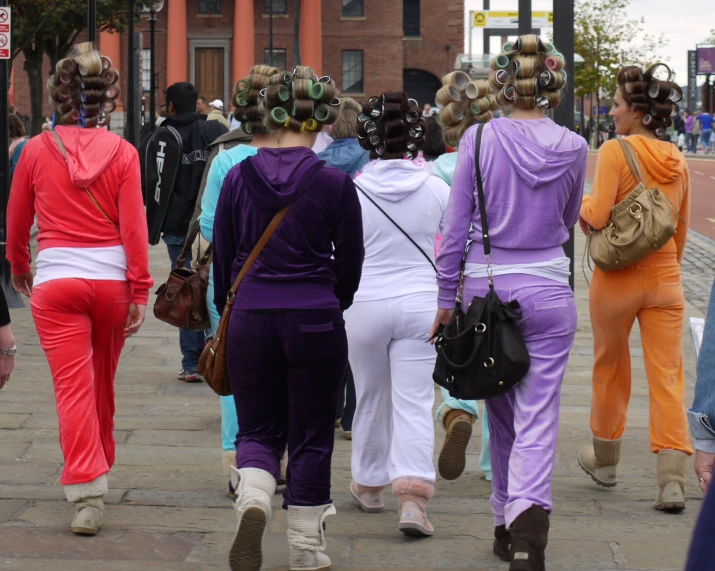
x,y
689,120
705,119
92,282
533,172
216,113
226,152
287,349
196,135
696,132
202,106
650,291
8,349
18,138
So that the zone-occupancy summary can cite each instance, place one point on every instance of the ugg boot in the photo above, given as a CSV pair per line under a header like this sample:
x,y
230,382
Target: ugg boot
x,y
671,470
369,498
600,460
306,537
412,497
529,536
254,490
228,458
88,500
452,457
502,539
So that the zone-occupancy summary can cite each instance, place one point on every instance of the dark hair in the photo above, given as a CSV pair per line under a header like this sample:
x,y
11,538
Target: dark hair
x,y
434,143
246,98
528,73
16,127
391,126
183,95
84,88
655,98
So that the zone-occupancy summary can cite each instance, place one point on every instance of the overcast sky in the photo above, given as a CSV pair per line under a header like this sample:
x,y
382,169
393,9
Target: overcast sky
x,y
684,22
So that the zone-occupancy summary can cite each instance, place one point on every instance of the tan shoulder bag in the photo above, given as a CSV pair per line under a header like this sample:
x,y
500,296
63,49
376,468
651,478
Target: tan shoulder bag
x,y
640,224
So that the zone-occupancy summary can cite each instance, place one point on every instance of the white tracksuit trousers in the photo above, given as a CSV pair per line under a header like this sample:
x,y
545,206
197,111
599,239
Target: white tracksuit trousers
x,y
392,362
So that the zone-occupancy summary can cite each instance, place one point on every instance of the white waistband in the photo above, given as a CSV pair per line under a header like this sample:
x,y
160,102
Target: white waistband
x,y
556,270
107,264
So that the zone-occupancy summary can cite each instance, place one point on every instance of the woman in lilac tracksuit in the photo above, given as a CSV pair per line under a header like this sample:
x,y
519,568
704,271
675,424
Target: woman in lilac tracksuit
x,y
533,172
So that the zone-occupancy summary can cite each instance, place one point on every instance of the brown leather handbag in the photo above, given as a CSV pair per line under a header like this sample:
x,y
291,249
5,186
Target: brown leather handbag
x,y
181,301
212,365
642,223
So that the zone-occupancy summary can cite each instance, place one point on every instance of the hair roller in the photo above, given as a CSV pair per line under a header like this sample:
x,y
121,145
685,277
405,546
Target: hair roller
x,y
303,109
317,91
109,105
110,76
554,98
500,62
326,113
495,81
633,87
659,89
447,95
667,122
528,44
484,117
524,66
452,135
676,92
651,70
106,63
642,107
647,119
507,47
549,48
554,62
392,111
394,128
276,118
451,115
457,78
630,73
482,105
276,95
675,111
112,92
477,89
413,115
526,86
302,88
661,110
551,80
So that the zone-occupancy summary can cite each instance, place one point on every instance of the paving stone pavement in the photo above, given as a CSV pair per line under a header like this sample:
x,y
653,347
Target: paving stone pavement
x,y
166,509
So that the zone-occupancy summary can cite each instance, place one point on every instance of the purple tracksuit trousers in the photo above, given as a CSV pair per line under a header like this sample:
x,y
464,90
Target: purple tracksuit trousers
x,y
524,423
286,369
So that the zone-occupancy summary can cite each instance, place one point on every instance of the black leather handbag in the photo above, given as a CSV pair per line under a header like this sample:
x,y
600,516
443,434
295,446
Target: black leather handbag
x,y
481,354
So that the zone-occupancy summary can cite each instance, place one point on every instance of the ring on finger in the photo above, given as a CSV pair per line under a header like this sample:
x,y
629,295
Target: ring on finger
x,y
701,480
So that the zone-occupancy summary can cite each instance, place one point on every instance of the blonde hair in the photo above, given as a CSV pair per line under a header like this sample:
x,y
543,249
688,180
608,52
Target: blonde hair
x,y
528,74
345,126
463,103
246,98
84,88
656,98
300,101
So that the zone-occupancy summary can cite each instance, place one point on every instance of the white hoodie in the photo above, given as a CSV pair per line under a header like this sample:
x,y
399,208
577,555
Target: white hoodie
x,y
417,201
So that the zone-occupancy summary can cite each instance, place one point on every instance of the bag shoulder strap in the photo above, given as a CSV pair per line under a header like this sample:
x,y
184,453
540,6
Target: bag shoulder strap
x,y
258,248
480,193
631,160
397,226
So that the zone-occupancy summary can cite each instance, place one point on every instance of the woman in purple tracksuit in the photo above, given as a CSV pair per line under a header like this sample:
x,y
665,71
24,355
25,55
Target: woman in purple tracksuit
x,y
287,347
533,172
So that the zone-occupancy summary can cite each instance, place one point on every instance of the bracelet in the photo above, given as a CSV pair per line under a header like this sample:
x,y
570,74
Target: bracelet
x,y
11,352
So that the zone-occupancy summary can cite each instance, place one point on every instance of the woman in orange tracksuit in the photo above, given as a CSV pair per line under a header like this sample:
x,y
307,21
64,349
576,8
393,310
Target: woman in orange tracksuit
x,y
650,291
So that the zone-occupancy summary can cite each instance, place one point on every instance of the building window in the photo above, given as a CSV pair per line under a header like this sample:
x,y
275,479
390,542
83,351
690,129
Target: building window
x,y
411,18
209,7
353,71
146,70
353,9
280,7
279,58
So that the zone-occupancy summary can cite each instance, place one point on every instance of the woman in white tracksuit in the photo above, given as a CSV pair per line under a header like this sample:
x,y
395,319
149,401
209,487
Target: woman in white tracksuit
x,y
388,325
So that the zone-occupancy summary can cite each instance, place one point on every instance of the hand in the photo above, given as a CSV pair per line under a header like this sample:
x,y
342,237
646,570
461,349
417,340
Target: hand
x,y
23,284
704,468
443,317
585,227
7,362
135,319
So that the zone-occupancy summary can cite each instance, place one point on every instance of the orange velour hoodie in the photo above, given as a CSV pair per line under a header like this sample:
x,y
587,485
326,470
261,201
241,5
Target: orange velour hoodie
x,y
55,190
663,167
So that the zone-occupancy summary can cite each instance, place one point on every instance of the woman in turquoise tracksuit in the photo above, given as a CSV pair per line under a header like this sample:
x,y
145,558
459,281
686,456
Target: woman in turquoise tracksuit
x,y
457,416
246,102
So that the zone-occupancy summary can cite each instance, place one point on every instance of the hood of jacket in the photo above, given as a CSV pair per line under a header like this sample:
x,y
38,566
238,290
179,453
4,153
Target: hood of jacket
x,y
235,136
539,150
182,120
89,151
275,178
346,155
393,179
661,159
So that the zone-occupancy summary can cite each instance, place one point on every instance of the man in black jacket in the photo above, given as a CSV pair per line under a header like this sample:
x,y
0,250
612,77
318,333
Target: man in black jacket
x,y
196,135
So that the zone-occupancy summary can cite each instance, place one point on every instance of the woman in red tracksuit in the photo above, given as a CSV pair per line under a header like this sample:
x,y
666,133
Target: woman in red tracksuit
x,y
92,282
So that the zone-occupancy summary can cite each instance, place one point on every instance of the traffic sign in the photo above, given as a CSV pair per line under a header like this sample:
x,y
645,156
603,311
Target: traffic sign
x,y
509,20
5,32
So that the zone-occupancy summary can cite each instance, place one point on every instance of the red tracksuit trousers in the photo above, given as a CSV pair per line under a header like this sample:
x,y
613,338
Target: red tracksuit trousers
x,y
81,328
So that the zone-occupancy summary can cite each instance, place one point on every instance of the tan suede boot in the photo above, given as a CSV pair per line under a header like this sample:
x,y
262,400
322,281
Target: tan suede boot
x,y
412,497
452,457
600,460
369,498
671,470
88,516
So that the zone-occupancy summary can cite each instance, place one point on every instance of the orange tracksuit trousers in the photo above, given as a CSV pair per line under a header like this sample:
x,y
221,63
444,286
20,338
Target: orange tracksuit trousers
x,y
81,328
652,294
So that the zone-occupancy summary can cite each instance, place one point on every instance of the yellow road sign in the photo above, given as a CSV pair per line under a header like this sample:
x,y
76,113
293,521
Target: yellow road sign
x,y
509,20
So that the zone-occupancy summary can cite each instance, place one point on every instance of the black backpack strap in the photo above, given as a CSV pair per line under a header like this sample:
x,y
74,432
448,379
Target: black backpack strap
x,y
366,195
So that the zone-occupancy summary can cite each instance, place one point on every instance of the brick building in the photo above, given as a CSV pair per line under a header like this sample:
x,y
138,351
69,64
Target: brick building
x,y
367,46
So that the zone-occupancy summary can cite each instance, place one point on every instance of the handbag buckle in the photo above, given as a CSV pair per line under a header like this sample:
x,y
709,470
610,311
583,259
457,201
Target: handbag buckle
x,y
635,210
480,328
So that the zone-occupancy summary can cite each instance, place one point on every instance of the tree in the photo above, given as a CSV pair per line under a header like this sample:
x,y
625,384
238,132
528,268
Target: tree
x,y
51,27
608,39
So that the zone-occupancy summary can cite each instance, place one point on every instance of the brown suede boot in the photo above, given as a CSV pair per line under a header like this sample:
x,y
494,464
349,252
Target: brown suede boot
x,y
452,457
412,497
529,536
600,461
671,470
502,539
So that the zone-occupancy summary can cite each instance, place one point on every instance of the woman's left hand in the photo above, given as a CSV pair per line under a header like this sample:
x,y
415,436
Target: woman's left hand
x,y
704,468
23,283
443,317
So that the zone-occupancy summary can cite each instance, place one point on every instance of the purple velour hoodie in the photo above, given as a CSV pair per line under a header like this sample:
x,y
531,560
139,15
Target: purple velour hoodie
x,y
533,173
314,259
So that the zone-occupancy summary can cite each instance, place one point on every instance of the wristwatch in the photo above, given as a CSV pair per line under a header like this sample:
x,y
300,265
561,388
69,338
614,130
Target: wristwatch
x,y
11,352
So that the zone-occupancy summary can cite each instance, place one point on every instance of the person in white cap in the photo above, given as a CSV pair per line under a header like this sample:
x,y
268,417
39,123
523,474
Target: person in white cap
x,y
216,113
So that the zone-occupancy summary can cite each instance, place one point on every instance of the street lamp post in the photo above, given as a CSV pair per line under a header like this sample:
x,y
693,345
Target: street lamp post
x,y
153,10
131,135
92,20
